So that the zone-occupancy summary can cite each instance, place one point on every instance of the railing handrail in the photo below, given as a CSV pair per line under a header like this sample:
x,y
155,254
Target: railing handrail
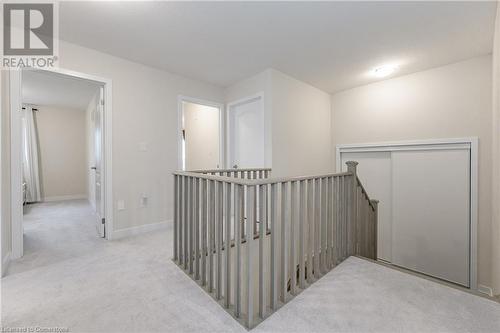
x,y
254,182
229,170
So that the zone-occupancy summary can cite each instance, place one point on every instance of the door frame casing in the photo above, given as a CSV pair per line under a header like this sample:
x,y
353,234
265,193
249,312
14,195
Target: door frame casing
x,y
241,101
15,91
433,144
180,115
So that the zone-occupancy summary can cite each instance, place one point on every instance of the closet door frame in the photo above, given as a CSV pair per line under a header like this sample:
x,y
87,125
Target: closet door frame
x,y
471,143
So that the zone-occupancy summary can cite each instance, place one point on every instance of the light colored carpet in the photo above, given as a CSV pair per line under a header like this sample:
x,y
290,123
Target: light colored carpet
x,y
131,285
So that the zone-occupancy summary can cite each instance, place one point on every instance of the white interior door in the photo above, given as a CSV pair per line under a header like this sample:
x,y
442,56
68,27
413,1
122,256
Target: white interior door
x,y
374,171
431,212
201,135
246,134
98,158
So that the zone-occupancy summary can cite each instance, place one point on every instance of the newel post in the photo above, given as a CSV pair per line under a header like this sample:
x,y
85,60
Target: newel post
x,y
353,246
375,226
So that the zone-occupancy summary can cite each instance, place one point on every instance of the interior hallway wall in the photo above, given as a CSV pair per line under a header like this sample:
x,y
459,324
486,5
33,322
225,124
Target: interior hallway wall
x,y
145,122
62,152
445,102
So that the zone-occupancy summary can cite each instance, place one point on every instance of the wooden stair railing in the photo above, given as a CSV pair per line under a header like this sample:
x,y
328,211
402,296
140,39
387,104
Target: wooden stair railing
x,y
300,227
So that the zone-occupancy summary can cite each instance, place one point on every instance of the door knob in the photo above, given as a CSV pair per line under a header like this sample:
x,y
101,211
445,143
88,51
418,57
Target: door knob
x,y
93,168
235,166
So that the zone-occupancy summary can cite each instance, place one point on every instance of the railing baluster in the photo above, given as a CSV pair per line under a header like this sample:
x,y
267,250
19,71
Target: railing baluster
x,y
218,238
181,220
293,222
186,222
328,224
176,215
196,228
310,233
204,222
375,229
302,234
249,243
227,247
317,226
324,217
341,222
336,229
211,234
191,225
262,228
238,218
274,221
283,252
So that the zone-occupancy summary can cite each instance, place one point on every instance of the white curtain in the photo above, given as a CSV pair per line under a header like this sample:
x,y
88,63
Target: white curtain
x,y
30,155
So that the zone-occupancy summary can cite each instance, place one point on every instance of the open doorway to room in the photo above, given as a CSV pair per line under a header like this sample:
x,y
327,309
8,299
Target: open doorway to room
x,y
59,139
200,134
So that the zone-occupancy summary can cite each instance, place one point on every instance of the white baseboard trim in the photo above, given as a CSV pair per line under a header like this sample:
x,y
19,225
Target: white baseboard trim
x,y
133,231
65,197
5,263
485,290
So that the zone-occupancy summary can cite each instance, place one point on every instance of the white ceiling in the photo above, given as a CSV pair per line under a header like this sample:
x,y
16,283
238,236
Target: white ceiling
x,y
331,45
45,88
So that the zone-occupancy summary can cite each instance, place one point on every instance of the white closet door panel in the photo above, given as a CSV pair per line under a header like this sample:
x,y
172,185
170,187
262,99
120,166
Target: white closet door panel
x,y
431,212
374,171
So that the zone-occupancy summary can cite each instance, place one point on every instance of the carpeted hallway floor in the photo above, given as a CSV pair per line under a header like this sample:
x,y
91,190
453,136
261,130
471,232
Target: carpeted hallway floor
x,y
70,278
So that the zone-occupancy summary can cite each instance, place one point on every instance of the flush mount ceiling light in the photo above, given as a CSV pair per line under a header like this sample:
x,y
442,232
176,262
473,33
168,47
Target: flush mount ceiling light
x,y
384,70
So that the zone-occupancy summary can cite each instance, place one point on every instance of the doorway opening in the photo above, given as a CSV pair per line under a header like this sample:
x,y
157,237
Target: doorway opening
x,y
201,137
60,162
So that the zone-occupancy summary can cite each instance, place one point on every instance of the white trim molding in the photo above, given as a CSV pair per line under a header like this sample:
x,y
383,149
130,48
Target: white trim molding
x,y
471,143
485,290
64,197
6,263
141,229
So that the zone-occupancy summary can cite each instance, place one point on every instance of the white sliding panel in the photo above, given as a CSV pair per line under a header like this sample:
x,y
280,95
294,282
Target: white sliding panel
x,y
431,212
374,171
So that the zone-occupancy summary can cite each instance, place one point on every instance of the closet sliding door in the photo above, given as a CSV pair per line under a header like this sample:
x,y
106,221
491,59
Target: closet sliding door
x,y
428,206
431,212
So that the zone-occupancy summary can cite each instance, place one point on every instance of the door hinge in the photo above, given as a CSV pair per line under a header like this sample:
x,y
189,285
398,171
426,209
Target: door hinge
x,y
103,220
102,102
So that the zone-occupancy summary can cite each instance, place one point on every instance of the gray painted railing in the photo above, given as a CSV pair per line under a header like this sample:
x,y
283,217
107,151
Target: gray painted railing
x,y
254,242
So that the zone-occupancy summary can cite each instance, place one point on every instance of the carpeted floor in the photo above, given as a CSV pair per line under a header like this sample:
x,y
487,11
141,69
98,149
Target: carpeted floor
x,y
70,278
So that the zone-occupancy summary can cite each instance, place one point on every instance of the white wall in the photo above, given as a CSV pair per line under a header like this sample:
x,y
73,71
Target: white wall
x,y
62,152
144,114
445,102
297,121
301,127
495,226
